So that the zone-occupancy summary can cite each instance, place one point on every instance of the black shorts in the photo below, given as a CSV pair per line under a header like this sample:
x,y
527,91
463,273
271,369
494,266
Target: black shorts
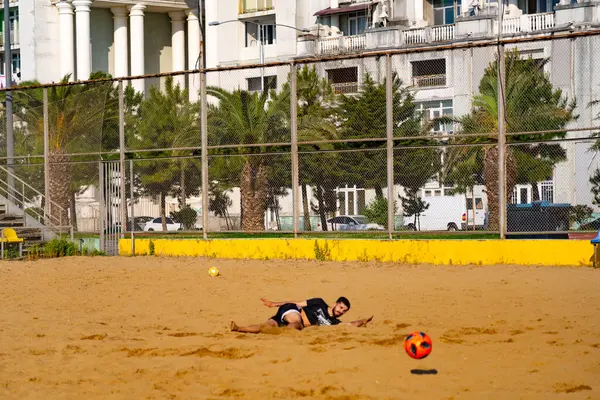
x,y
283,311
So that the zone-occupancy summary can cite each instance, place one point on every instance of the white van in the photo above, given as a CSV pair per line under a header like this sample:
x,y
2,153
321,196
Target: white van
x,y
448,213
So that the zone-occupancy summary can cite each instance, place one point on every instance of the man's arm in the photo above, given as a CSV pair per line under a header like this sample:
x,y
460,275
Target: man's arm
x,y
360,322
269,303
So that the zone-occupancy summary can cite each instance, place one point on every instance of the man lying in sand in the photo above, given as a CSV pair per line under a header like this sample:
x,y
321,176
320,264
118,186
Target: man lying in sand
x,y
300,314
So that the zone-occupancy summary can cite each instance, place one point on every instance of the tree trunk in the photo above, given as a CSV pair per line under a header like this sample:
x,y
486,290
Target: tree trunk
x,y
535,193
253,192
182,184
73,211
378,191
60,187
277,219
490,176
163,206
321,201
305,212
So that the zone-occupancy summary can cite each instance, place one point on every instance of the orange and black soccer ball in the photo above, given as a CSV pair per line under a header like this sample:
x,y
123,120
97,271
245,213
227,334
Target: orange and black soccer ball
x,y
418,345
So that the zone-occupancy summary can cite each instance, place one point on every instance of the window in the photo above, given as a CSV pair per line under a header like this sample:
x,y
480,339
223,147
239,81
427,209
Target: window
x,y
252,6
547,191
354,23
429,73
443,12
344,80
267,32
269,82
16,64
430,110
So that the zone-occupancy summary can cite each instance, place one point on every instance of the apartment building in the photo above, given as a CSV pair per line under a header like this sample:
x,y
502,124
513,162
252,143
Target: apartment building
x,y
14,40
445,81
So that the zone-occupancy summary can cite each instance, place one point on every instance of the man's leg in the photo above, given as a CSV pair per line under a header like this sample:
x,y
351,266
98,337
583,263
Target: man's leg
x,y
294,320
252,328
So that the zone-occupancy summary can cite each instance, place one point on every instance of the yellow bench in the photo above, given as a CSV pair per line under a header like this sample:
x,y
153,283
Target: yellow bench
x,y
9,235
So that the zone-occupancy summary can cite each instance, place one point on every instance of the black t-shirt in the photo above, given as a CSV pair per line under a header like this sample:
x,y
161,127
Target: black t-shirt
x,y
316,312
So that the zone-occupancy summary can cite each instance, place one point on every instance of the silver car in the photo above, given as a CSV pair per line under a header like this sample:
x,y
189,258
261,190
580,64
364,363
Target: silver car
x,y
352,223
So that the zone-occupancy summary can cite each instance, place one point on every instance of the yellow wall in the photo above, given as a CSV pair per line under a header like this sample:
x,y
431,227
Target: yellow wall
x,y
443,252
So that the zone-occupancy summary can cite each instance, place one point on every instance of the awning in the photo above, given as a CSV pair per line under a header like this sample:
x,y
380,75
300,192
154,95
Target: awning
x,y
340,10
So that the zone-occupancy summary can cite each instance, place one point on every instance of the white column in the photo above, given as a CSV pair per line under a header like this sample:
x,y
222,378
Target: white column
x,y
178,47
67,51
419,16
83,40
193,50
136,23
120,41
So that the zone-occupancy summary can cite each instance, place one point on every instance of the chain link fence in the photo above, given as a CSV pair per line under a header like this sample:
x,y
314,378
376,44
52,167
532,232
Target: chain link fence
x,y
384,145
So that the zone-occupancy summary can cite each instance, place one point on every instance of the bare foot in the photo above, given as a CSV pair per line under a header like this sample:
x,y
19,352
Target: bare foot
x,y
233,327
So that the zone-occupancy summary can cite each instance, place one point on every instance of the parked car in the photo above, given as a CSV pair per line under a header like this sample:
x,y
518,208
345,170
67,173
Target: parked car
x,y
139,223
156,225
352,223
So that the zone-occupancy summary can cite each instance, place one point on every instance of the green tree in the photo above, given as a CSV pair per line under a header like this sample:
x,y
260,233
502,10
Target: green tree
x,y
165,119
377,211
413,206
316,107
416,161
532,105
243,118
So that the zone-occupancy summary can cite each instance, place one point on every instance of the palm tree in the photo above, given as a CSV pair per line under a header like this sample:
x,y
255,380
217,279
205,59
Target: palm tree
x,y
243,118
532,105
76,115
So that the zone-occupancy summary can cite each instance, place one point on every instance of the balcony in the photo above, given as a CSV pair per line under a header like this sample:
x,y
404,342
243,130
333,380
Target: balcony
x,y
528,23
342,44
14,39
254,6
480,27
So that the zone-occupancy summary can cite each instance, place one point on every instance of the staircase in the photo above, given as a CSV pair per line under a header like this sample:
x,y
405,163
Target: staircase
x,y
12,212
32,236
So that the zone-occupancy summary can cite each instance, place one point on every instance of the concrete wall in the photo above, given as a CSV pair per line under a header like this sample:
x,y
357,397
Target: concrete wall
x,y
439,252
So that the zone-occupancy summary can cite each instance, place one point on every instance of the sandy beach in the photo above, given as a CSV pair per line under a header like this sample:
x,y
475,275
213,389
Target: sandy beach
x,y
157,328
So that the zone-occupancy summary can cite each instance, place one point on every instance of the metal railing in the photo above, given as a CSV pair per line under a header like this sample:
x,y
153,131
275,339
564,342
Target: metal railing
x,y
345,87
20,200
429,80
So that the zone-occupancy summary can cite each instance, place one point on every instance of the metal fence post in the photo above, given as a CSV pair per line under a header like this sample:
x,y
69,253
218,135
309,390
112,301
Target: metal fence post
x,y
102,196
294,134
46,158
132,205
123,172
204,138
501,131
390,143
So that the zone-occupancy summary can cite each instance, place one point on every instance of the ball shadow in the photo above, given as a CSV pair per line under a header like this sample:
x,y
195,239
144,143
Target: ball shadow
x,y
424,371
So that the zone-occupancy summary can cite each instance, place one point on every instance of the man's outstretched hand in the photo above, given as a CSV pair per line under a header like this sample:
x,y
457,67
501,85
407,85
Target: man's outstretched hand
x,y
267,303
362,322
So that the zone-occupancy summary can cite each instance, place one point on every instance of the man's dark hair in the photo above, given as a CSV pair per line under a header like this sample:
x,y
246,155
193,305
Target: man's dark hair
x,y
344,301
